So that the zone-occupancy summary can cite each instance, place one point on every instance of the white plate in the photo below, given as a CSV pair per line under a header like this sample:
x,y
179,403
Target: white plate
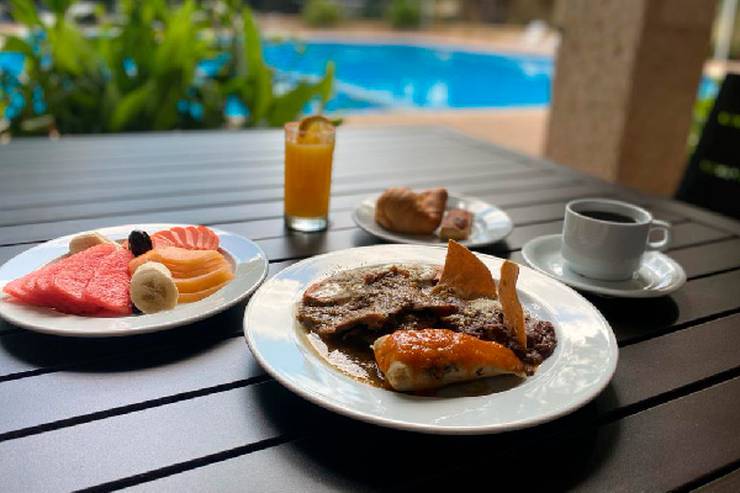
x,y
490,224
581,366
248,260
658,275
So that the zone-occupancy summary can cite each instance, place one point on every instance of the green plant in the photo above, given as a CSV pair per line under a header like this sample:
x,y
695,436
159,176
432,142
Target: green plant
x,y
405,14
143,71
702,109
321,13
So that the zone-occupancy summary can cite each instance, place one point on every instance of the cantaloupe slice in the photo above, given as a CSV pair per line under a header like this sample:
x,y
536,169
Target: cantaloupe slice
x,y
205,281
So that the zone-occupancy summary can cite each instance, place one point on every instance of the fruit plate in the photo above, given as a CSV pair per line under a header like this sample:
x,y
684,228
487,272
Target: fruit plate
x,y
581,366
490,224
248,260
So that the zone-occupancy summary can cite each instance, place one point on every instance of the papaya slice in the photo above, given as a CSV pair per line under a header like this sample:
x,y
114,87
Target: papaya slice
x,y
188,237
199,295
205,268
205,281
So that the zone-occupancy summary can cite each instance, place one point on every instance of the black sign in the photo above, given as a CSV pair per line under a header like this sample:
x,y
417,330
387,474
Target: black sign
x,y
712,178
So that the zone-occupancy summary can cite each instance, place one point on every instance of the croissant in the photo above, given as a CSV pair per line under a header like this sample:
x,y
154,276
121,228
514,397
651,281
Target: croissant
x,y
404,211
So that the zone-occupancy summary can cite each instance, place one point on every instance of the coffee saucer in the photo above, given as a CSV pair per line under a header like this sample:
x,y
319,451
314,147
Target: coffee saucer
x,y
658,274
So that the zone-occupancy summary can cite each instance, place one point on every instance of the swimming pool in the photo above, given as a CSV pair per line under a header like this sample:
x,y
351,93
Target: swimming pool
x,y
378,77
390,76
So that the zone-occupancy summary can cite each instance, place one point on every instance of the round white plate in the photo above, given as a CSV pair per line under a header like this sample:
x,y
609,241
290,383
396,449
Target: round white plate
x,y
658,274
490,224
248,260
581,366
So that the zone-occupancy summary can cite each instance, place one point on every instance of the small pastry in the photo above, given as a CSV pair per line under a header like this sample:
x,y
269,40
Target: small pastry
x,y
404,211
413,360
456,225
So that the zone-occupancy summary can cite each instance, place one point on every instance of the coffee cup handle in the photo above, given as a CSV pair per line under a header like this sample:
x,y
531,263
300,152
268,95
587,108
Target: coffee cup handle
x,y
663,243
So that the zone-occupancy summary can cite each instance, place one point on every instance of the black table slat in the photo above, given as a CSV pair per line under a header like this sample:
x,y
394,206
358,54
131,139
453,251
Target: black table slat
x,y
257,195
253,172
241,414
171,148
160,436
245,180
729,483
708,259
666,363
127,379
579,444
660,449
637,319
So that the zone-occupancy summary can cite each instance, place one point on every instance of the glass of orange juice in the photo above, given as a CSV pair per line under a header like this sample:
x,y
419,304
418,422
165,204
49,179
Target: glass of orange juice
x,y
309,151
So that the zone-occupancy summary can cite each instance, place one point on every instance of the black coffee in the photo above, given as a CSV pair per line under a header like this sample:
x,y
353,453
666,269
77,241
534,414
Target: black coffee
x,y
608,216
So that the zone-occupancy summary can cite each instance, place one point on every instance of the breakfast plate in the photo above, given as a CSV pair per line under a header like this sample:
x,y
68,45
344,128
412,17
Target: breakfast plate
x,y
247,261
658,274
490,224
581,365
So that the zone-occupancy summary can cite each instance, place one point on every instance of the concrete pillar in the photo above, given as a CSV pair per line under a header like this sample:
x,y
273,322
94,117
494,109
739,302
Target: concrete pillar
x,y
626,78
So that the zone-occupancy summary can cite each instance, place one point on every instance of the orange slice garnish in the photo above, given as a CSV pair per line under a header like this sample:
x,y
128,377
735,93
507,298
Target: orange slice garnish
x,y
312,127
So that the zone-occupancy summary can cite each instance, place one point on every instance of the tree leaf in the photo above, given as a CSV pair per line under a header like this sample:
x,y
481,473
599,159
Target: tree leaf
x,y
70,51
24,11
14,43
326,86
130,107
59,7
288,106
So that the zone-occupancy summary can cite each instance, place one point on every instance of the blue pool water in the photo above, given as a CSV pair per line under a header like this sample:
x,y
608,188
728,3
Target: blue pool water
x,y
380,76
377,77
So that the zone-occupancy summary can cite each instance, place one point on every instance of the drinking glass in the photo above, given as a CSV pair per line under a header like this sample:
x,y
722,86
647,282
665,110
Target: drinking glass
x,y
308,163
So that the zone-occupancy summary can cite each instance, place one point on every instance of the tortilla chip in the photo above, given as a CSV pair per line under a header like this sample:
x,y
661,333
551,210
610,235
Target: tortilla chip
x,y
513,312
465,274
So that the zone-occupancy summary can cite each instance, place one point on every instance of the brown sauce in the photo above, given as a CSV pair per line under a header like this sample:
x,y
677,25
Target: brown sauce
x,y
354,360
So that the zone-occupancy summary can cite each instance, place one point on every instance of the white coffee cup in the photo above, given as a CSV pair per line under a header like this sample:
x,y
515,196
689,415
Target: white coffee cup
x,y
605,239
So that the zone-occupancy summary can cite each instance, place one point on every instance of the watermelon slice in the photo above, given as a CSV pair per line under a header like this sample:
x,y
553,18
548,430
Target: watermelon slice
x,y
67,288
39,286
16,288
109,287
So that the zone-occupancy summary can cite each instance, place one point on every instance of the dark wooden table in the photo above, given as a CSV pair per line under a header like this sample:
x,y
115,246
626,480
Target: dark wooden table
x,y
190,409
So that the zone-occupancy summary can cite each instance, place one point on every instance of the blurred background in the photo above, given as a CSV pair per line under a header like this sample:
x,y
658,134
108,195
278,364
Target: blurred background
x,y
624,90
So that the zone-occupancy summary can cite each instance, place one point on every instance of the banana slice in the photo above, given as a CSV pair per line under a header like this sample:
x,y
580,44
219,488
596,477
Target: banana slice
x,y
153,289
87,240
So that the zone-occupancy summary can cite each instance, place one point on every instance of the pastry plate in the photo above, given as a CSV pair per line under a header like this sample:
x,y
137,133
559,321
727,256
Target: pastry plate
x,y
658,274
581,366
490,224
250,268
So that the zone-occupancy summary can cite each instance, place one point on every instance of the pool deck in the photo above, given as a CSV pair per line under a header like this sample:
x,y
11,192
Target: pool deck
x,y
520,129
484,37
